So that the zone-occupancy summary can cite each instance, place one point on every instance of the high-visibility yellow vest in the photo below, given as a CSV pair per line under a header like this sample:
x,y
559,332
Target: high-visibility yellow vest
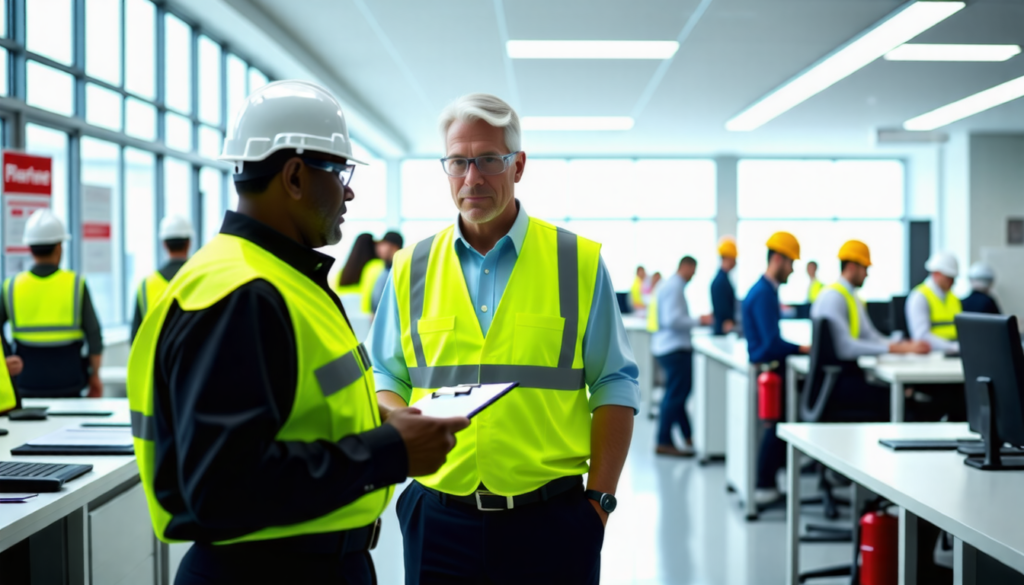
x,y
541,430
368,280
636,293
334,394
815,290
942,313
8,398
851,308
652,314
45,311
150,290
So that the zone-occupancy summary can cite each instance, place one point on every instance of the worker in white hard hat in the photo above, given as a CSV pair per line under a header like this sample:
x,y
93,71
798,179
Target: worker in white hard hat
x,y
931,306
52,318
256,428
980,300
177,235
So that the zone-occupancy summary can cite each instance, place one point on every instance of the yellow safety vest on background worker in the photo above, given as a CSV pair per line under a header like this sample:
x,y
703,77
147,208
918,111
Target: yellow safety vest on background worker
x,y
851,307
636,293
150,290
942,314
45,311
334,395
816,287
652,314
8,397
367,281
540,431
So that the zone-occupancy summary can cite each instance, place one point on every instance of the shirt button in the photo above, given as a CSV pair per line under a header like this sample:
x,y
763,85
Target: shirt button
x,y
484,308
486,271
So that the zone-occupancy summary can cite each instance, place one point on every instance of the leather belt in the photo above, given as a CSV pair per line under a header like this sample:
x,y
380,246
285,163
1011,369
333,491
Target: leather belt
x,y
486,501
343,542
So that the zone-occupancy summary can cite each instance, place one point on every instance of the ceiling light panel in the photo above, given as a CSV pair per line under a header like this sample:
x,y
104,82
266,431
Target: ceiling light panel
x,y
898,28
576,123
958,110
926,52
591,49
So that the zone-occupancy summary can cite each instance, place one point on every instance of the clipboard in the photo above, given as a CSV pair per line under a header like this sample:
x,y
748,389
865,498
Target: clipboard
x,y
466,400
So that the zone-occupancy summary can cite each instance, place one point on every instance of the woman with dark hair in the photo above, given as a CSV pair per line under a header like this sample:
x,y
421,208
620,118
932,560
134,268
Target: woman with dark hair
x,y
362,266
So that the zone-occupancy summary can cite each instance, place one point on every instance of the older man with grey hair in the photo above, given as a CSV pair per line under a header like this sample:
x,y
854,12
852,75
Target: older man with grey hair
x,y
500,297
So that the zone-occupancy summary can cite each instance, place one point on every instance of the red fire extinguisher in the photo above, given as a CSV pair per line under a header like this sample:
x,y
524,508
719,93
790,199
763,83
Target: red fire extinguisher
x,y
879,548
769,396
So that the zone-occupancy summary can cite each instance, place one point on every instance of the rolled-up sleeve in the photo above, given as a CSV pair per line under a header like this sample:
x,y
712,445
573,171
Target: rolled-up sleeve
x,y
390,372
609,367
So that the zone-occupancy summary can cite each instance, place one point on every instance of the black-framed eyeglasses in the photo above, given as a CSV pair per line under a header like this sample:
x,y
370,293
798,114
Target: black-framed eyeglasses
x,y
344,171
488,164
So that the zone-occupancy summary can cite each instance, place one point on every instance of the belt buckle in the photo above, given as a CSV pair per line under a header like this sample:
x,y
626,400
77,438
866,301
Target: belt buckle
x,y
375,534
480,504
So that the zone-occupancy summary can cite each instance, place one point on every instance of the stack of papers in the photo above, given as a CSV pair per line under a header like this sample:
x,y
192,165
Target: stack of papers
x,y
78,436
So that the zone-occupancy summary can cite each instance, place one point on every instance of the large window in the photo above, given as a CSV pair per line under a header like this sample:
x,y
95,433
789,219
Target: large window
x,y
823,203
99,209
140,219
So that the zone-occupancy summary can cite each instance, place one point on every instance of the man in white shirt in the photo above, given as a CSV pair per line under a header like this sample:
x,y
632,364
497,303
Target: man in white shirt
x,y
931,306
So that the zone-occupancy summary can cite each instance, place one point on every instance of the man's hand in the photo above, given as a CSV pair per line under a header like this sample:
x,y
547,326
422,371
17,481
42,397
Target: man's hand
x,y
95,386
600,512
805,349
14,365
919,347
728,325
707,320
427,439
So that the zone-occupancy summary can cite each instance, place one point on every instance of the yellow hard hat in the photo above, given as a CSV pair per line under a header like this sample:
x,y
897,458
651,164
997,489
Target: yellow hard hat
x,y
785,243
727,247
855,251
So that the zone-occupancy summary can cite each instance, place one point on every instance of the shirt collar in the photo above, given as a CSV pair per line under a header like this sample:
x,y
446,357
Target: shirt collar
x,y
771,281
935,288
846,283
516,234
302,258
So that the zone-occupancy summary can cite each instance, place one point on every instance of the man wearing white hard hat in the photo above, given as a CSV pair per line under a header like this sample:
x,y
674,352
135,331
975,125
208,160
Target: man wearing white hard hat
x,y
980,300
256,428
176,234
931,306
52,318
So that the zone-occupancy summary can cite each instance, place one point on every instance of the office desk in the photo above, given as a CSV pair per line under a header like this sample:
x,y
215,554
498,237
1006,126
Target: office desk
x,y
640,340
96,530
981,509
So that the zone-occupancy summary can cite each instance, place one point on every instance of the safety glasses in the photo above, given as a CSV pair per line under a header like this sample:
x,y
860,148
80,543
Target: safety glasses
x,y
490,164
344,171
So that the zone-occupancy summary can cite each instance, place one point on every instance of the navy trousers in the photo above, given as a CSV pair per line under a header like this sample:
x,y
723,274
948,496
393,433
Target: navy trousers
x,y
260,563
678,367
557,541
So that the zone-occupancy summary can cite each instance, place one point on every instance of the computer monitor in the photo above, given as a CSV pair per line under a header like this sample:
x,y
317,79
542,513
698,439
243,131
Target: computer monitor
x,y
880,317
625,307
898,315
993,363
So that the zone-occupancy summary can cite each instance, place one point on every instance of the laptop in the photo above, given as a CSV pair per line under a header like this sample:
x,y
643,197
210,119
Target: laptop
x,y
24,476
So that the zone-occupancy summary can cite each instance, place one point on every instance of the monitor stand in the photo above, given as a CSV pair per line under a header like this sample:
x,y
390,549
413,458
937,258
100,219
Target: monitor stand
x,y
993,459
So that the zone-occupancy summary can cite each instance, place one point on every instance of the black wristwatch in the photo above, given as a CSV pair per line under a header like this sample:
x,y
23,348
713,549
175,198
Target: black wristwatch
x,y
607,501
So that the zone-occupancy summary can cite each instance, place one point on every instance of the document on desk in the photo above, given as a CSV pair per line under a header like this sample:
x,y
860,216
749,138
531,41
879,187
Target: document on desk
x,y
16,498
79,436
467,400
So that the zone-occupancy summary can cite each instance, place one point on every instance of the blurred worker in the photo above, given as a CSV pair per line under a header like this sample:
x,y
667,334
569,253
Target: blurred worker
x,y
176,234
636,292
668,318
816,286
931,306
52,316
854,335
387,247
761,315
509,506
723,295
256,430
980,300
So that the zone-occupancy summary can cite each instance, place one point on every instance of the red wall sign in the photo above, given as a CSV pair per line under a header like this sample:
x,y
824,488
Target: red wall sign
x,y
25,173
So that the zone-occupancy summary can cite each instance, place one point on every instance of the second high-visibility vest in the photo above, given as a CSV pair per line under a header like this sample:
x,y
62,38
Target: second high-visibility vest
x,y
334,394
652,314
816,287
851,308
150,290
45,311
540,431
942,313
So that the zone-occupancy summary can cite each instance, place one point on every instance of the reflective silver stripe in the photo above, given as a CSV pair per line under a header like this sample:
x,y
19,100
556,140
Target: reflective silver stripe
x,y
340,373
942,323
143,426
142,298
46,329
76,319
61,343
417,289
365,356
527,376
568,295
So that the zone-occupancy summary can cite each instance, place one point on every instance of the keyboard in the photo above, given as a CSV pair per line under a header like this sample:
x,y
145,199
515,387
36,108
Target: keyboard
x,y
21,476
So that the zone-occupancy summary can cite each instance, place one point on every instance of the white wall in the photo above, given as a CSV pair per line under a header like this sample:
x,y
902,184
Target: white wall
x,y
997,188
953,228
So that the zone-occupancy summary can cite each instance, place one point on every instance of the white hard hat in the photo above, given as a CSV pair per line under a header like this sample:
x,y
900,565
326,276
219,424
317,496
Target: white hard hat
x,y
44,228
981,271
287,114
944,263
176,227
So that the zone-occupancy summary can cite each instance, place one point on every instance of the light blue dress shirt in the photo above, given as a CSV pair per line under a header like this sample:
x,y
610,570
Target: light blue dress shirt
x,y
609,368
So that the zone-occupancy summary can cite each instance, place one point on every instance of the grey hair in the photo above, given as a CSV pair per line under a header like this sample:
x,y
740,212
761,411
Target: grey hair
x,y
489,108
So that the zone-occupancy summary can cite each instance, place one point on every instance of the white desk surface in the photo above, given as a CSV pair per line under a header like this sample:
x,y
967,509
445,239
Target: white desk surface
x,y
727,349
19,521
982,508
911,369
634,323
114,374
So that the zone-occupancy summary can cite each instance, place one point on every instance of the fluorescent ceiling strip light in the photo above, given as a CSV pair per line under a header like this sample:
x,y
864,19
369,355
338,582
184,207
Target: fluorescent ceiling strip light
x,y
591,49
574,123
958,110
898,28
925,52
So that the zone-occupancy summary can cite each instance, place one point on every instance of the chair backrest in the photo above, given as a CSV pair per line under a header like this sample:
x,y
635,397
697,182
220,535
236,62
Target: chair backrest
x,y
898,315
823,373
881,316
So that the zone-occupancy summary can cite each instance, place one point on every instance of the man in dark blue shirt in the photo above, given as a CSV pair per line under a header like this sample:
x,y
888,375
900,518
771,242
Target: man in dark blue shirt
x,y
761,317
980,300
723,296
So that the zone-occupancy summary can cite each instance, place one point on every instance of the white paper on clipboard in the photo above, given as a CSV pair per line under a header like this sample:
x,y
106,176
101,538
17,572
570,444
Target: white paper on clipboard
x,y
467,400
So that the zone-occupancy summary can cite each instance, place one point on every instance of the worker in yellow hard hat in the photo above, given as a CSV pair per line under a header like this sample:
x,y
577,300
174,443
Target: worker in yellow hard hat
x,y
853,336
723,295
765,345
